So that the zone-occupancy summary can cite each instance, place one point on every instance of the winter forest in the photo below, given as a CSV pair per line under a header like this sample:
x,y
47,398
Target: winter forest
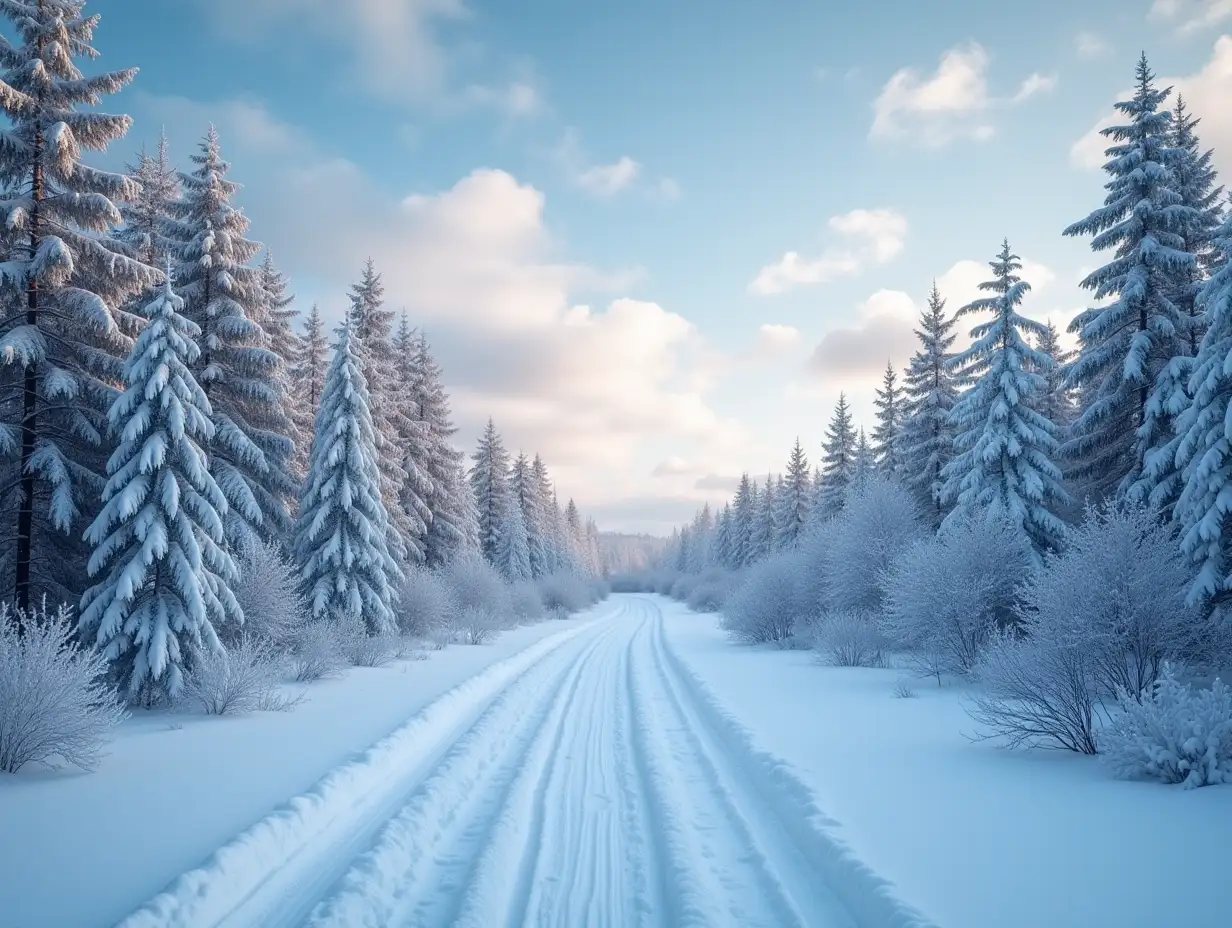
x,y
290,637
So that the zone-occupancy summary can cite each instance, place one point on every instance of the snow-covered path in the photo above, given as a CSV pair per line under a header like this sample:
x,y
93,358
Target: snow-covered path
x,y
585,781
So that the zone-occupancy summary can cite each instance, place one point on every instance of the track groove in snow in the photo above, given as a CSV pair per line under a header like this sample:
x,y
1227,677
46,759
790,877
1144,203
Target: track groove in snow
x,y
589,780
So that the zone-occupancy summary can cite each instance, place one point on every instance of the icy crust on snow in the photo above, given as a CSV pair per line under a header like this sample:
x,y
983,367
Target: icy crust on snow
x,y
872,901
270,854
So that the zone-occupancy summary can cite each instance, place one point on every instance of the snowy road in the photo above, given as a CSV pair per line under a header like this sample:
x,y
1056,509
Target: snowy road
x,y
585,782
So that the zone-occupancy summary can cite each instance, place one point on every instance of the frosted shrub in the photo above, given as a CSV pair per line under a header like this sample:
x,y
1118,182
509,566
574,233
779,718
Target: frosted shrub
x,y
1038,691
947,594
1175,733
474,584
55,702
317,652
242,678
269,596
708,595
425,604
849,638
525,601
682,587
878,520
363,650
1117,590
476,625
767,606
563,590
663,582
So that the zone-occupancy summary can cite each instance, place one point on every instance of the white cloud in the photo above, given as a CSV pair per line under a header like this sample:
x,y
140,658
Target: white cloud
x,y
961,283
1090,45
673,467
517,99
953,103
773,341
884,333
1191,15
605,180
1206,93
669,189
871,236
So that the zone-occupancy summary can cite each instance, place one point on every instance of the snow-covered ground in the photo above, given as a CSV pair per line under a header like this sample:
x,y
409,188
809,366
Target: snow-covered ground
x,y
167,797
972,835
630,767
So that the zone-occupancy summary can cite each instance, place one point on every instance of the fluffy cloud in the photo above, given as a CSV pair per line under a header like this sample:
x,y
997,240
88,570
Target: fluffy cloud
x,y
774,341
1206,93
1090,45
476,267
884,333
1190,15
607,179
604,180
952,103
870,236
673,467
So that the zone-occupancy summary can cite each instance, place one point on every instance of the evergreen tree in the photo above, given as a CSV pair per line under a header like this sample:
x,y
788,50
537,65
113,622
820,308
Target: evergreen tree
x,y
838,462
887,433
373,325
576,537
795,500
525,488
277,318
765,527
250,454
1126,346
63,285
743,511
414,442
1056,402
307,381
721,553
146,214
513,548
490,483
865,461
1205,435
1003,446
450,502
165,576
342,530
542,489
930,389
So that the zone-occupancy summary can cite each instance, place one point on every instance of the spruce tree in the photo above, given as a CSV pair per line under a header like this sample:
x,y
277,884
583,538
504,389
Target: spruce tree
x,y
251,451
838,461
930,391
1056,401
163,574
448,500
341,540
796,498
307,380
64,331
146,214
1004,448
743,511
576,537
1204,430
887,438
414,440
765,527
490,483
865,461
525,489
513,549
541,488
1126,345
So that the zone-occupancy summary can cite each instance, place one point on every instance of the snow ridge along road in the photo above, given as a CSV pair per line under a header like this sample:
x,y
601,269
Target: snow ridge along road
x,y
589,780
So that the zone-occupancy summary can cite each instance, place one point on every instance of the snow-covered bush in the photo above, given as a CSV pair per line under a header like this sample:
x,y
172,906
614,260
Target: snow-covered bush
x,y
880,517
768,605
682,587
55,702
268,592
245,677
364,650
1037,691
474,584
662,583
476,625
709,595
1117,590
947,594
564,590
849,638
525,602
1176,733
631,583
425,604
317,652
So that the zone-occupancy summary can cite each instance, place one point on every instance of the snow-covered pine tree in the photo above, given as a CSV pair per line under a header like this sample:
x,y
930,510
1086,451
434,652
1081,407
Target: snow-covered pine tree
x,y
838,460
1126,345
795,499
887,433
1056,400
866,461
1204,512
720,553
1003,463
703,537
341,540
490,482
63,285
541,487
513,549
575,533
930,391
307,380
146,214
415,441
524,487
373,325
277,319
449,502
765,527
250,454
163,576
743,512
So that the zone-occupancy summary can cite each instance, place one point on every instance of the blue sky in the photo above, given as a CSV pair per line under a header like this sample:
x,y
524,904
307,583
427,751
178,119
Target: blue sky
x,y
592,207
